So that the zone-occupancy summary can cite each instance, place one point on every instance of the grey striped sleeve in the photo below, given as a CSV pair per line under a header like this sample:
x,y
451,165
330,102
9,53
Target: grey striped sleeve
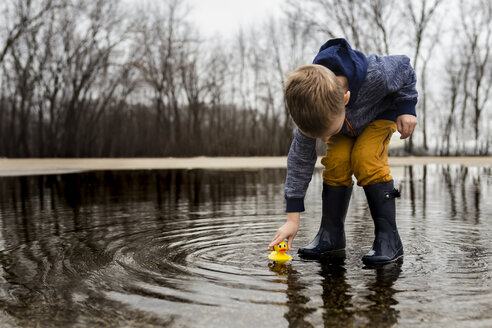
x,y
300,166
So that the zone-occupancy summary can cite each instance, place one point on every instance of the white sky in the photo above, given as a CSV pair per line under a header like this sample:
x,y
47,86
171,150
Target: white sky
x,y
226,16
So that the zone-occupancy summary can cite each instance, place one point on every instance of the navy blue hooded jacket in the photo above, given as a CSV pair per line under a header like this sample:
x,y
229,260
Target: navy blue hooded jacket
x,y
381,87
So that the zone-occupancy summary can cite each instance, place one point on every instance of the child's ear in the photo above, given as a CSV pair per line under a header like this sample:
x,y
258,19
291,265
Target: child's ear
x,y
347,97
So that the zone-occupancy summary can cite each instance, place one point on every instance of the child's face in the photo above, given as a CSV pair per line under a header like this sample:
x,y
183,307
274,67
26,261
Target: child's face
x,y
334,129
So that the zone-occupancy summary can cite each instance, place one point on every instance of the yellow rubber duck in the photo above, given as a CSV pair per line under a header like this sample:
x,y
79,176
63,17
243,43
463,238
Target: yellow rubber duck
x,y
278,253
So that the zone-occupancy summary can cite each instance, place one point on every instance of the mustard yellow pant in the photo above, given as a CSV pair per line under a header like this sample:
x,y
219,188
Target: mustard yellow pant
x,y
365,156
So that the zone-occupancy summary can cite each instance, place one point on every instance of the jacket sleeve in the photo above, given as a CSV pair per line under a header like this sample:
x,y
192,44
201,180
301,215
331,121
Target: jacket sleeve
x,y
401,83
300,167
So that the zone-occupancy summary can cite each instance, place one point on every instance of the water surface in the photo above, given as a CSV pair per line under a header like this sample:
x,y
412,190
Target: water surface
x,y
187,248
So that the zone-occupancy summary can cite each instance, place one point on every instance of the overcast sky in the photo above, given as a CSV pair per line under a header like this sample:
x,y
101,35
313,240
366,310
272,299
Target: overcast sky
x,y
226,16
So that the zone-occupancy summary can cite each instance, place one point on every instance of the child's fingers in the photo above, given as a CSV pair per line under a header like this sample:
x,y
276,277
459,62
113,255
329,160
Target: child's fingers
x,y
399,126
289,243
275,240
404,132
406,124
410,129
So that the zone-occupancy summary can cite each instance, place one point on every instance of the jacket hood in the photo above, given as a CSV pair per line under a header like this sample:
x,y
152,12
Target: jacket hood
x,y
341,59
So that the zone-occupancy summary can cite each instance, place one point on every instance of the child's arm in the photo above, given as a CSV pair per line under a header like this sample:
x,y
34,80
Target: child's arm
x,y
401,83
300,166
287,231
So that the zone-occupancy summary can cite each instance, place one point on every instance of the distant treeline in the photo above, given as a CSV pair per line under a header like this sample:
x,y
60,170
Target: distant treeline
x,y
124,130
105,79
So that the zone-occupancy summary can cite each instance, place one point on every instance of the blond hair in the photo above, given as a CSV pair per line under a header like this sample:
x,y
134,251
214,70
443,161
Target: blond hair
x,y
314,97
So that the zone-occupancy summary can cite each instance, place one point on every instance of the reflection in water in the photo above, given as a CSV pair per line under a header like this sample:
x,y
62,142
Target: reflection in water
x,y
279,268
296,301
338,311
382,310
188,248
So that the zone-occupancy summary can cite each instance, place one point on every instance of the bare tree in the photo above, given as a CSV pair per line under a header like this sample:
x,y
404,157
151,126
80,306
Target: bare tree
x,y
88,72
469,77
62,78
477,36
453,74
421,14
348,20
370,26
159,42
27,16
23,20
291,41
194,89
72,83
384,22
217,69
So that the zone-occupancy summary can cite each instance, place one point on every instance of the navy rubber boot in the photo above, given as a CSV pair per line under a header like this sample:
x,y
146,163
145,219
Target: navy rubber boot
x,y
331,235
387,246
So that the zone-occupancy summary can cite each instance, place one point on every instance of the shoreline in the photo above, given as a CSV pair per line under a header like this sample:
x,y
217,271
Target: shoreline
x,y
42,166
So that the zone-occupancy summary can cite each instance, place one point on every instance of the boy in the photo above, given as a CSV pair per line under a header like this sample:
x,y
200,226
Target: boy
x,y
354,103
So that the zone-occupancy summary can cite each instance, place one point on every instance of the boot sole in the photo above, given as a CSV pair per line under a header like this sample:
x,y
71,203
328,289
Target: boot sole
x,y
376,263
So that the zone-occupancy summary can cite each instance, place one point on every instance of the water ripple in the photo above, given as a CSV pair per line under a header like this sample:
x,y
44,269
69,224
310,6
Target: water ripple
x,y
137,249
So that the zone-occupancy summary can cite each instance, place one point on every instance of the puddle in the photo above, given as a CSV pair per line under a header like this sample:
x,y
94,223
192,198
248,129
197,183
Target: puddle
x,y
187,248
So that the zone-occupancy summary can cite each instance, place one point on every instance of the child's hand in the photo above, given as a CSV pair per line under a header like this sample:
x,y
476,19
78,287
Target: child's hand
x,y
288,230
406,124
